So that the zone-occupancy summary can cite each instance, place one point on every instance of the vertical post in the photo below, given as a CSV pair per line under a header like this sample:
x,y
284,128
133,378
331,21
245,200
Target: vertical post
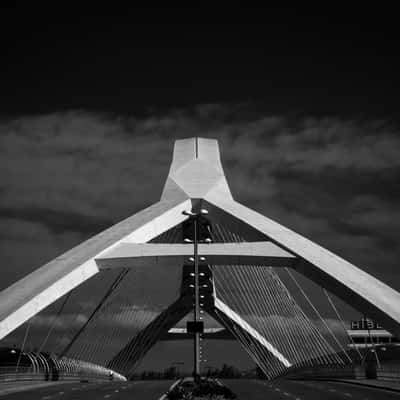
x,y
197,325
196,302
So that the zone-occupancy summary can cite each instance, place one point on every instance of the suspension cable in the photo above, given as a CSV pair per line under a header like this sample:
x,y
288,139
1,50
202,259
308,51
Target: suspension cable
x,y
113,286
342,323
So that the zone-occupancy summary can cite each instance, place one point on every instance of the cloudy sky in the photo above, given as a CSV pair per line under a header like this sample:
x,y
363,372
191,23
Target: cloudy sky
x,y
68,175
304,105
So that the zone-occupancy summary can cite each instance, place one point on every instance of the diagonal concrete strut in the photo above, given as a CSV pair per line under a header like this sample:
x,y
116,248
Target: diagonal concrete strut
x,y
196,179
133,352
129,357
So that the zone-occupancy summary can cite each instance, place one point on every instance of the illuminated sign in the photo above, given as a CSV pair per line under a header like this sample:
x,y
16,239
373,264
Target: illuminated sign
x,y
365,324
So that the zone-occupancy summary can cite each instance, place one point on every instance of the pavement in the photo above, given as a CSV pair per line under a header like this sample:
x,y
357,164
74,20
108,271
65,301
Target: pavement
x,y
140,390
393,386
244,389
20,386
306,390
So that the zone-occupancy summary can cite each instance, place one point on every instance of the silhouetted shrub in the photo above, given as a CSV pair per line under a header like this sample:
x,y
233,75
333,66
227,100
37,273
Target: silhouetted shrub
x,y
205,389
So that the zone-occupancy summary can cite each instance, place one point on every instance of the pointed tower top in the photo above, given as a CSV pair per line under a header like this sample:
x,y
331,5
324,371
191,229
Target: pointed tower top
x,y
196,170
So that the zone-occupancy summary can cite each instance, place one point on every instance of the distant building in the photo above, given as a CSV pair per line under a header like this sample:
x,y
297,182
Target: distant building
x,y
368,333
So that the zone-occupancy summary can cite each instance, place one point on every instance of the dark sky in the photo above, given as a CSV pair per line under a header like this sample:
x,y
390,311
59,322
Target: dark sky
x,y
299,60
304,103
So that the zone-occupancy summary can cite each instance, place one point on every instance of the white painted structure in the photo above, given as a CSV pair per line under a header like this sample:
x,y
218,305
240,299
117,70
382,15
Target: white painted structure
x,y
196,180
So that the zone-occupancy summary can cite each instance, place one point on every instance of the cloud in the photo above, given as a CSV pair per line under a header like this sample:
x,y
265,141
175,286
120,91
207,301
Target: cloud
x,y
58,221
130,318
66,176
60,322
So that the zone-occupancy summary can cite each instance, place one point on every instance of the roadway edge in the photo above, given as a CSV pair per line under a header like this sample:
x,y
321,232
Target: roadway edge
x,y
388,388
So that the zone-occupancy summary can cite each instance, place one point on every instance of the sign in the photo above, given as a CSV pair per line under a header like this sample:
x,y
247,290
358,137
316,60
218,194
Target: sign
x,y
365,324
194,326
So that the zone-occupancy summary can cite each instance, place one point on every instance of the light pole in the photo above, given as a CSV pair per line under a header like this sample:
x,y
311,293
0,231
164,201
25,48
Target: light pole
x,y
197,329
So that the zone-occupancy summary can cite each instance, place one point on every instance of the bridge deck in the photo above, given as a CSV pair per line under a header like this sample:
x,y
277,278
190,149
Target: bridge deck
x,y
140,390
244,389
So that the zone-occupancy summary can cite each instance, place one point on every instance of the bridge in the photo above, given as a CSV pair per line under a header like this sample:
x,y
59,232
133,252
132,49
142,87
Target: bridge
x,y
195,266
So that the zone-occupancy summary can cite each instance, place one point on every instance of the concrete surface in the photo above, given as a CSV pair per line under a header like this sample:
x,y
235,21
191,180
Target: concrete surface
x,y
305,390
134,390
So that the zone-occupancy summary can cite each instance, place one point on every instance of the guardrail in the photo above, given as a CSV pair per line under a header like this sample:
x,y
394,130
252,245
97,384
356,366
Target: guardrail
x,y
388,372
25,376
53,369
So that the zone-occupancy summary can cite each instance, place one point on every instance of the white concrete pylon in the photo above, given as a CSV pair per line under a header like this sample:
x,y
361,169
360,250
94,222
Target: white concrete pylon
x,y
361,290
196,171
30,295
196,180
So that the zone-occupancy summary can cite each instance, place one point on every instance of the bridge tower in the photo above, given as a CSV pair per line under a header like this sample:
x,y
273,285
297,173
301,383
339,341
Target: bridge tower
x,y
196,182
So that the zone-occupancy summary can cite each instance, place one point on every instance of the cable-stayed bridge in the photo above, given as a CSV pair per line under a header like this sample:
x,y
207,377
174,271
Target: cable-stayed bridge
x,y
195,255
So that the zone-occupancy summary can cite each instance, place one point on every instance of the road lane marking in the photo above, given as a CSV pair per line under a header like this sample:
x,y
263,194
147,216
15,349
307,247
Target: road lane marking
x,y
107,396
61,393
348,394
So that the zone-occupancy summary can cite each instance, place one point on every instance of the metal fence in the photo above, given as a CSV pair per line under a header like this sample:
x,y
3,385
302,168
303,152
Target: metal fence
x,y
385,372
53,369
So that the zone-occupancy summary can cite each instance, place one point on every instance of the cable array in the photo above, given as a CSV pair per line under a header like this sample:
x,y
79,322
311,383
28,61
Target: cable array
x,y
258,295
129,315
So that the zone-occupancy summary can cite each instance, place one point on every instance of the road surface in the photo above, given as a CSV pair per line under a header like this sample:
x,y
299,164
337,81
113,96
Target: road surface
x,y
244,389
140,390
305,390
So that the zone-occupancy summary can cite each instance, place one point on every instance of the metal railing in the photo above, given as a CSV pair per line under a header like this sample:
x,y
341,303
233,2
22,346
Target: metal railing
x,y
385,372
59,369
